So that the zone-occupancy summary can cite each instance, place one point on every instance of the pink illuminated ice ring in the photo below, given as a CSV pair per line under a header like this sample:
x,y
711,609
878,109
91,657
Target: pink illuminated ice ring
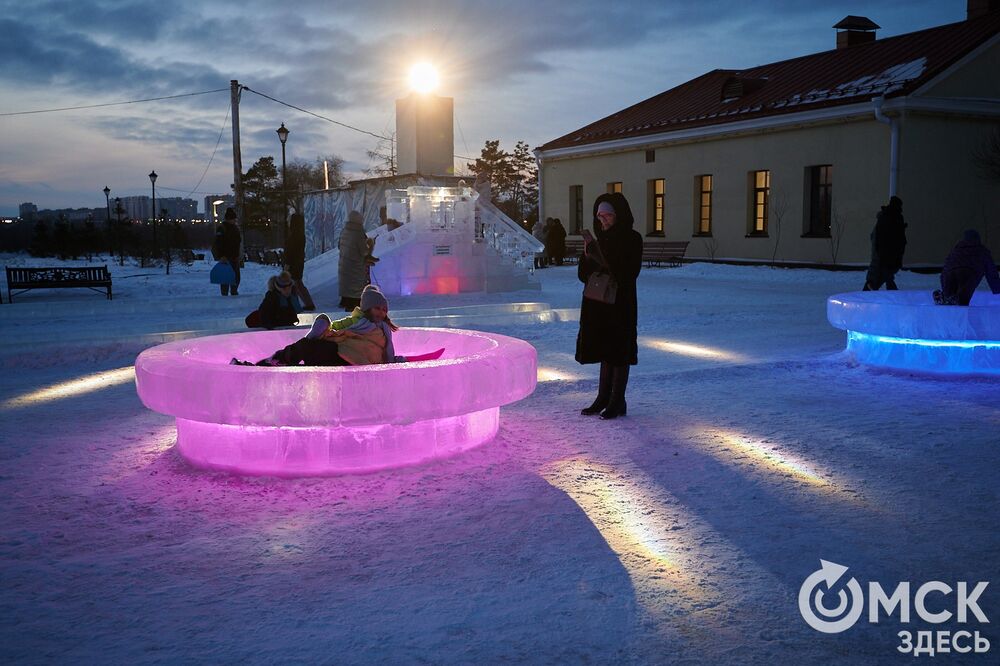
x,y
308,421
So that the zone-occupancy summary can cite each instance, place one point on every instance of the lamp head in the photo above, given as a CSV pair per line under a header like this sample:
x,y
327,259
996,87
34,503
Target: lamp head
x,y
152,176
282,133
107,191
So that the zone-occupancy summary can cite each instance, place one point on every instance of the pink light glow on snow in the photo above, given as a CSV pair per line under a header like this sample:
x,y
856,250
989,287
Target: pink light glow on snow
x,y
307,421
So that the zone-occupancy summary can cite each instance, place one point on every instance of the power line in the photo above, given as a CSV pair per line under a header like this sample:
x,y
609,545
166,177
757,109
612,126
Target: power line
x,y
217,142
97,106
330,120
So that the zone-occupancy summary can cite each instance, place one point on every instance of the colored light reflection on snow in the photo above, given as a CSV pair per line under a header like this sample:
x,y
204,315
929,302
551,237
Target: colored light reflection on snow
x,y
311,421
905,330
547,374
692,350
627,510
73,387
769,456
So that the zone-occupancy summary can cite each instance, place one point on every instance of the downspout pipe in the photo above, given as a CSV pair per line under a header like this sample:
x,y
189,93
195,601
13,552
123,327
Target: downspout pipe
x,y
893,124
538,166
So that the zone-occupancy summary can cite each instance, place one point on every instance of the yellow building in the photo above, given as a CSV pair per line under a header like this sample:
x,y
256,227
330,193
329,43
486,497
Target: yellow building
x,y
792,160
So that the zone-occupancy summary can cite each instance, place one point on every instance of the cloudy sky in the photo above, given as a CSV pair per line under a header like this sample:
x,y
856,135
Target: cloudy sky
x,y
518,69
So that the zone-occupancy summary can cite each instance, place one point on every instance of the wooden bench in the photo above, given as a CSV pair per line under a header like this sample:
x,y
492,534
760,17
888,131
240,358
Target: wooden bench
x,y
91,277
659,253
574,250
654,253
189,256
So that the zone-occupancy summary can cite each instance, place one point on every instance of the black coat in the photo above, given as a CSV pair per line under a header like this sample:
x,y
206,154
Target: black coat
x,y
227,242
889,238
276,310
608,332
555,241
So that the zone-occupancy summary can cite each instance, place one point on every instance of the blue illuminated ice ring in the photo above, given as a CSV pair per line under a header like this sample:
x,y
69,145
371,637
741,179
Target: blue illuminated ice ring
x,y
905,330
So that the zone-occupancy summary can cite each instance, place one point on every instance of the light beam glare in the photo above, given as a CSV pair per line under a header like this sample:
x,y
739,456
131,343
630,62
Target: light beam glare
x,y
547,374
679,565
692,350
73,387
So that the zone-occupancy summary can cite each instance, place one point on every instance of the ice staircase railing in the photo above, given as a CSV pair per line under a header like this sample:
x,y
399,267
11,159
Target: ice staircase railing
x,y
506,236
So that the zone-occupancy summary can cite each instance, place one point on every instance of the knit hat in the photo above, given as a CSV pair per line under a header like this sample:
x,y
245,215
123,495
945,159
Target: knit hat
x,y
371,297
971,236
230,214
284,279
355,216
605,207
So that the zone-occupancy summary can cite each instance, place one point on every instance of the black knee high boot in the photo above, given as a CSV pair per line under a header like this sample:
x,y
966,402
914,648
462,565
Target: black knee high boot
x,y
603,392
619,382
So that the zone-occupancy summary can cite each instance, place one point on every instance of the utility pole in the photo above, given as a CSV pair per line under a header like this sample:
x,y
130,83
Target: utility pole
x,y
234,97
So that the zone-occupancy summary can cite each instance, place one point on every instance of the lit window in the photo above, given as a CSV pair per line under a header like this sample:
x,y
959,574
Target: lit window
x,y
761,193
657,194
703,184
614,187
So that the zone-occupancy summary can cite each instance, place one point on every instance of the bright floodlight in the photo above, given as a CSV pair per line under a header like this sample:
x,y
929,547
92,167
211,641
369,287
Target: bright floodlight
x,y
423,77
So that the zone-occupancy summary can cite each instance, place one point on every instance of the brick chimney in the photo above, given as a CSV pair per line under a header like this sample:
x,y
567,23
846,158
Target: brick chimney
x,y
977,8
854,30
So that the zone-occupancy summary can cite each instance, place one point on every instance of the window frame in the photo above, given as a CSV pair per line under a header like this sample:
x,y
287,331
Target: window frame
x,y
759,204
817,192
700,206
576,208
653,197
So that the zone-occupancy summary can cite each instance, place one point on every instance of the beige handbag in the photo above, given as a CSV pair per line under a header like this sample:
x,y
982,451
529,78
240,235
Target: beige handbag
x,y
601,287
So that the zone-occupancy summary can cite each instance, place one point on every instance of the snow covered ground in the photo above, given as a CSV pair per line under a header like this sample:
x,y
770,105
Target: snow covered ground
x,y
679,534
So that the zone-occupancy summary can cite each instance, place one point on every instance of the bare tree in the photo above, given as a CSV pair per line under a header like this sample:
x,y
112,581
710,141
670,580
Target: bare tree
x,y
986,157
383,158
779,208
838,223
711,246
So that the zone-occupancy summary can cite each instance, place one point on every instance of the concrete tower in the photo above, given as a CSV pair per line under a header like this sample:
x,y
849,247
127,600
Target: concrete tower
x,y
425,135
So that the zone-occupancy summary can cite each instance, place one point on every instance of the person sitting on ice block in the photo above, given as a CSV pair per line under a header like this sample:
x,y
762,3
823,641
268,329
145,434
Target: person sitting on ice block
x,y
362,338
966,266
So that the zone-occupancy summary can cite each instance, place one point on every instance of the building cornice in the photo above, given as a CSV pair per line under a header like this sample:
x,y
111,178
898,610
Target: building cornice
x,y
856,111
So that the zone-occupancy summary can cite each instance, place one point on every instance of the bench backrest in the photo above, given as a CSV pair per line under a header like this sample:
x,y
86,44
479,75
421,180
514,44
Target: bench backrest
x,y
25,276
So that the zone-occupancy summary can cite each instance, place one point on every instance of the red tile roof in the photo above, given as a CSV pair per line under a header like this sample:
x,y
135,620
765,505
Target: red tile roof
x,y
893,67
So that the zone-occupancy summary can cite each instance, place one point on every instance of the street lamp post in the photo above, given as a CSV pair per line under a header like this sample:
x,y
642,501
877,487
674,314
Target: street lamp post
x,y
118,227
152,179
107,201
215,210
283,137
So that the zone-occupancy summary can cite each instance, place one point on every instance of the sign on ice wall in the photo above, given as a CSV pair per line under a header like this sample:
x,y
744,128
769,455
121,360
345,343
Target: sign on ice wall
x,y
435,250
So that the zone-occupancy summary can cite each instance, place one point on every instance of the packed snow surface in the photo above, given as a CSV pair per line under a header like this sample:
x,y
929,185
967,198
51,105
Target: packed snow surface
x,y
682,533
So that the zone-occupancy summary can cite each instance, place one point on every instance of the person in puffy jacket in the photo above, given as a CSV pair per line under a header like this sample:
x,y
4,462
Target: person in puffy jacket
x,y
362,338
966,266
281,305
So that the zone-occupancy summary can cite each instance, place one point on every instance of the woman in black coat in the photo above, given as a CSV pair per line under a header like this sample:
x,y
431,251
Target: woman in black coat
x,y
608,332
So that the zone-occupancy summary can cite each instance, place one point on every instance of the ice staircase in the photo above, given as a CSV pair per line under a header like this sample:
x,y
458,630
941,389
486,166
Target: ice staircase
x,y
451,241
